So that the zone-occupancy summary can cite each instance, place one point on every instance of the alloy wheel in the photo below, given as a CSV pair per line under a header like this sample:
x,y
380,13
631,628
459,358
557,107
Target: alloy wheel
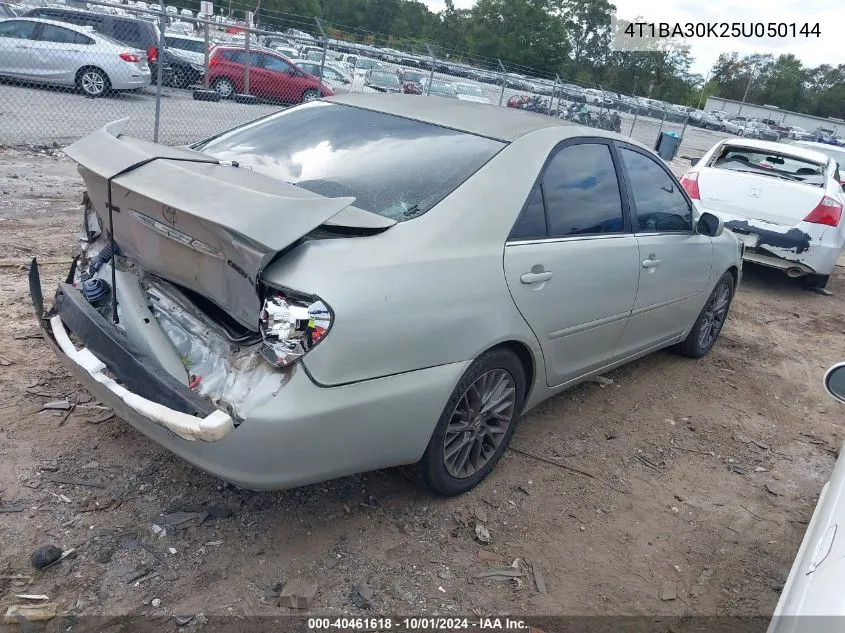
x,y
93,82
479,423
714,315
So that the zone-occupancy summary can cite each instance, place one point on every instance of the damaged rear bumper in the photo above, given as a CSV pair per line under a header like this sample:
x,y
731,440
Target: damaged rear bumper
x,y
147,391
303,434
799,250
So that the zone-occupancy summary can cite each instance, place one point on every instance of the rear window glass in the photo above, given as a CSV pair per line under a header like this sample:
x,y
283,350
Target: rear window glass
x,y
395,167
775,164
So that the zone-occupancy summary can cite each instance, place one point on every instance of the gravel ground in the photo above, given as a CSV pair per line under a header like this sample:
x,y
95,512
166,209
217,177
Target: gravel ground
x,y
683,488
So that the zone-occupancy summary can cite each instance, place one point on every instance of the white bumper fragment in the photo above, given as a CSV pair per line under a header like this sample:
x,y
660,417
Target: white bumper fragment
x,y
211,428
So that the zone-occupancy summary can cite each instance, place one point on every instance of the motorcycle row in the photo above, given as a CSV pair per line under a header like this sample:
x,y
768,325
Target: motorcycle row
x,y
575,112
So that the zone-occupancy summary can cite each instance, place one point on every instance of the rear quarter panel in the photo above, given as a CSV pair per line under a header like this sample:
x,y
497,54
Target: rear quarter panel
x,y
428,291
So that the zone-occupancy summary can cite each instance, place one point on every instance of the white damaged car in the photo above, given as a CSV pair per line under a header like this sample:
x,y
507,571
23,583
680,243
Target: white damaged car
x,y
784,202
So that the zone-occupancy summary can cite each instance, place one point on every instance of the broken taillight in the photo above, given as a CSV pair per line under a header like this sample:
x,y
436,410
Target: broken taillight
x,y
291,325
152,53
689,182
828,212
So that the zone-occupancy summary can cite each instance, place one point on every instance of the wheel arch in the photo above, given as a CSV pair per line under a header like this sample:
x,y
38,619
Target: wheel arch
x,y
526,359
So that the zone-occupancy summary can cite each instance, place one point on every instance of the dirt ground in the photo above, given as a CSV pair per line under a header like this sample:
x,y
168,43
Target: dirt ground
x,y
683,488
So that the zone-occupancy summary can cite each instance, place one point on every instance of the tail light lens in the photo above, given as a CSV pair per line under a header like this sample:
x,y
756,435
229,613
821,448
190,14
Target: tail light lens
x,y
291,324
828,212
690,184
152,53
130,57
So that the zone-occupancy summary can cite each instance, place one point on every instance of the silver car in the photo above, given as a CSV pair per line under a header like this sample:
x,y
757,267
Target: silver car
x,y
63,54
374,280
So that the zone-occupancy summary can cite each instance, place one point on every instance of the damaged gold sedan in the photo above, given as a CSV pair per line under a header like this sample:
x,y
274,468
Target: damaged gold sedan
x,y
373,280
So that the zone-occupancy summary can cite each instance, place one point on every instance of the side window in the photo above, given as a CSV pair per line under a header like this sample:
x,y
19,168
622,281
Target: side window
x,y
128,32
661,207
582,192
52,33
236,57
18,29
532,223
275,64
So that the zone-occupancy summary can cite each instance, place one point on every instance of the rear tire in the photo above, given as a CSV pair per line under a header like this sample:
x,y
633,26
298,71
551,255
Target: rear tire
x,y
224,87
710,321
93,82
476,425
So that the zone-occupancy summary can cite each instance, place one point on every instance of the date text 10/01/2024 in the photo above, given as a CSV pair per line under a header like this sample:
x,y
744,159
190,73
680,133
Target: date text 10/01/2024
x,y
417,624
722,29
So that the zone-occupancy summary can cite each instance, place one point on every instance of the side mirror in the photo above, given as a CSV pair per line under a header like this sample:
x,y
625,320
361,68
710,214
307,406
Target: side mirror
x,y
710,225
694,161
834,381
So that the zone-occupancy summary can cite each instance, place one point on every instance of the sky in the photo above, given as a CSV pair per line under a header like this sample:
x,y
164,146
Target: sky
x,y
826,49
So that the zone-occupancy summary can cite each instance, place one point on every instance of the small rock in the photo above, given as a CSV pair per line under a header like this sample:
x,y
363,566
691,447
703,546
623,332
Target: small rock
x,y
129,543
361,596
773,489
102,593
298,593
45,556
602,381
156,602
172,550
58,405
157,529
444,574
479,513
582,528
668,591
482,534
675,509
759,469
183,619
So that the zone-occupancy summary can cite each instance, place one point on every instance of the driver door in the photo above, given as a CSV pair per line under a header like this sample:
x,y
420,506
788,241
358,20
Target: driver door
x,y
674,261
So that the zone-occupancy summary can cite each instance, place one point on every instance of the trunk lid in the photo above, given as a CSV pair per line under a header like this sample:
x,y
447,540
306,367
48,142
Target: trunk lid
x,y
757,196
211,228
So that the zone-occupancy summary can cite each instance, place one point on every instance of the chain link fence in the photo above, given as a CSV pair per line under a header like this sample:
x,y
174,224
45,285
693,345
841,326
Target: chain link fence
x,y
180,76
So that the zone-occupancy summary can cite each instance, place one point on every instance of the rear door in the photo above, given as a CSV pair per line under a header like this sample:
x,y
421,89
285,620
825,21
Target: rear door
x,y
18,58
61,53
674,261
571,262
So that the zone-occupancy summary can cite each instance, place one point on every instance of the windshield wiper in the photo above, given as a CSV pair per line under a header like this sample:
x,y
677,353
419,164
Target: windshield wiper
x,y
764,172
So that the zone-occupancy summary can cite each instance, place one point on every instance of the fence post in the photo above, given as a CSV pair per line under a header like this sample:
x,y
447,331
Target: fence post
x,y
207,42
325,48
559,82
636,108
430,74
162,25
248,59
504,80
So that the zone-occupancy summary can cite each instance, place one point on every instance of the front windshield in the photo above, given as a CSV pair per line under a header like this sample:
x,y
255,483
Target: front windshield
x,y
393,166
384,79
466,89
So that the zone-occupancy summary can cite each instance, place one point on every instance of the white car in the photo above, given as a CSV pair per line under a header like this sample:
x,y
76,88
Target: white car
x,y
470,92
732,127
837,153
333,75
63,54
811,600
181,28
784,202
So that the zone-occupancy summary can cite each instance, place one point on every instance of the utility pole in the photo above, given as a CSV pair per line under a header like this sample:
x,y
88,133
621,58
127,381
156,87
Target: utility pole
x,y
747,88
703,87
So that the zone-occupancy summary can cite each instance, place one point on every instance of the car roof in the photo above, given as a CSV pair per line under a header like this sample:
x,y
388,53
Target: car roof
x,y
492,121
821,147
180,36
78,11
84,30
781,148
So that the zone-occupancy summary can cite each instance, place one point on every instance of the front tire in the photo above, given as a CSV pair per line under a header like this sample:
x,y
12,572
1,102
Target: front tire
x,y
309,95
708,326
93,82
476,425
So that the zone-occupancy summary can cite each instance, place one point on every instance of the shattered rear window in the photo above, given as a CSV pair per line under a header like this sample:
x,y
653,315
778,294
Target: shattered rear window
x,y
396,167
775,164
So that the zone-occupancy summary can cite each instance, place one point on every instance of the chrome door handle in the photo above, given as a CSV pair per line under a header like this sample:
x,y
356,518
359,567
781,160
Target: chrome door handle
x,y
651,263
534,278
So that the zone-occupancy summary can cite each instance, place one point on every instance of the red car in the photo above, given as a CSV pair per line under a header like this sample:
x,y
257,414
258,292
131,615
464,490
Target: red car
x,y
271,76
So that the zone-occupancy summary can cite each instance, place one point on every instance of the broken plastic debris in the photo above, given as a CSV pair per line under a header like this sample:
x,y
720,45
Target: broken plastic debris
x,y
289,330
